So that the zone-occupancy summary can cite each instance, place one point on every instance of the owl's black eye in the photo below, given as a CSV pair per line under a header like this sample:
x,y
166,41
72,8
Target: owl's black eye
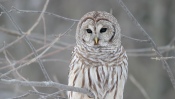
x,y
88,30
103,30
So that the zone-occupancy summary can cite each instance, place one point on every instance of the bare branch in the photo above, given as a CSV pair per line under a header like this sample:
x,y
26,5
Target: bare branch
x,y
39,18
163,58
144,41
139,86
10,44
53,95
44,26
29,93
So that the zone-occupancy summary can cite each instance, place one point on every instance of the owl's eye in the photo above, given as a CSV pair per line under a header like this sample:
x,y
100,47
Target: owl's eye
x,y
103,30
88,30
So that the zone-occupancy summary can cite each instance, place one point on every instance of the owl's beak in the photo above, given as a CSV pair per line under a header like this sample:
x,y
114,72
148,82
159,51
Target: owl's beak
x,y
96,40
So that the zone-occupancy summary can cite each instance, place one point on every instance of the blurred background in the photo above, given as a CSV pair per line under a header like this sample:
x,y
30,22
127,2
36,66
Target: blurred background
x,y
156,16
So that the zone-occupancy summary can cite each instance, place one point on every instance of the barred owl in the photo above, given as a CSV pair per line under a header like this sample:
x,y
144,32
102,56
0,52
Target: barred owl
x,y
99,61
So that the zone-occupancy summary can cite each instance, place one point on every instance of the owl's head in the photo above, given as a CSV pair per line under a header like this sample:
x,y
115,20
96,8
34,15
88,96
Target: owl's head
x,y
98,29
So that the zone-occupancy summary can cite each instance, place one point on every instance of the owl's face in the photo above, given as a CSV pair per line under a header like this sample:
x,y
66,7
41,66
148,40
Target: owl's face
x,y
98,29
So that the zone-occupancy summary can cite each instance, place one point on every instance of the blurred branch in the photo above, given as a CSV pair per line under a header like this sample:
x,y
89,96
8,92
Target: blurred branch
x,y
15,62
37,57
11,32
30,11
39,18
44,27
44,95
53,95
32,60
47,84
10,44
148,52
139,86
163,58
27,40
35,38
29,55
138,40
29,93
170,74
17,73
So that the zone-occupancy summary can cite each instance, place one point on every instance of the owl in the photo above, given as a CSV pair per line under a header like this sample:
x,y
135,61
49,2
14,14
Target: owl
x,y
99,61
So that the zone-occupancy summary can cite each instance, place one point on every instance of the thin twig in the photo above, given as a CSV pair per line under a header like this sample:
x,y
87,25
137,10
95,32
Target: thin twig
x,y
163,58
53,95
24,61
138,40
8,31
10,44
30,92
39,18
44,26
139,86
22,96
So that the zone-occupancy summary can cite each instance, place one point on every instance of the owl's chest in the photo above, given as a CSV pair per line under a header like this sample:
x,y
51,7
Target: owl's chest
x,y
103,77
100,77
100,72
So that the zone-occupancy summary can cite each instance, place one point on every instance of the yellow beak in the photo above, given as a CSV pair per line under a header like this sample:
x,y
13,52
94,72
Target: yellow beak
x,y
96,40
